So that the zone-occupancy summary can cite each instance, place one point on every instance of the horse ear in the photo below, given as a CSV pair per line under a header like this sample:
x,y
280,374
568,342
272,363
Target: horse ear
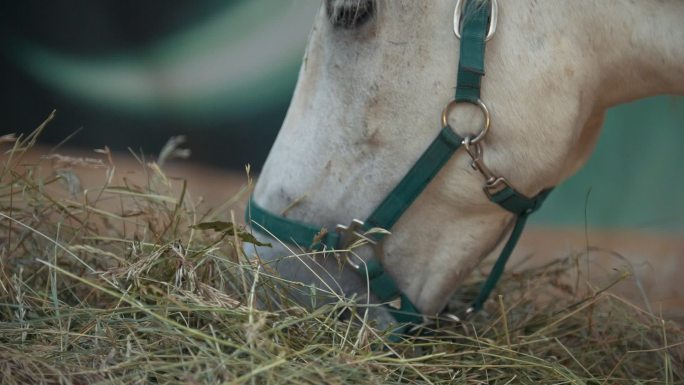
x,y
349,14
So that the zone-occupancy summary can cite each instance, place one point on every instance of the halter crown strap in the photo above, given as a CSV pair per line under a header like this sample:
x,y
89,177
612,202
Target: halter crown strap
x,y
471,55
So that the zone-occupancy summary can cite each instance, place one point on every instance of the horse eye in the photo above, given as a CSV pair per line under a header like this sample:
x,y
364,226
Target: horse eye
x,y
349,14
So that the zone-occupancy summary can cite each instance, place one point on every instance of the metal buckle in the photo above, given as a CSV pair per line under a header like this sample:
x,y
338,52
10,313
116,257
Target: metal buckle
x,y
458,16
353,236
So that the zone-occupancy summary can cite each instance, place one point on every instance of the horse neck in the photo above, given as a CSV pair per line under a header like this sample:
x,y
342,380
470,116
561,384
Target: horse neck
x,y
640,48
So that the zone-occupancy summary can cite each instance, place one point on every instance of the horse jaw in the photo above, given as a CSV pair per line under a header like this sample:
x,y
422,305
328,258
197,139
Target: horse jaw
x,y
368,102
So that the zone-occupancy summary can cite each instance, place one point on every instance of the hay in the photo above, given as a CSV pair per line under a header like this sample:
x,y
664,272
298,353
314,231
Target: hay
x,y
115,285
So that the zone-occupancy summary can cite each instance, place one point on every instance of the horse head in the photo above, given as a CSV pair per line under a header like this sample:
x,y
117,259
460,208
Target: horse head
x,y
370,98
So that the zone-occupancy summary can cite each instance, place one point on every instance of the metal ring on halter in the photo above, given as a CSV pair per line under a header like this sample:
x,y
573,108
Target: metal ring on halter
x,y
492,19
487,118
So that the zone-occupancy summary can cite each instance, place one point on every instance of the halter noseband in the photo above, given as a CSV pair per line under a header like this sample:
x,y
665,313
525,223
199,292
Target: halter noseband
x,y
473,30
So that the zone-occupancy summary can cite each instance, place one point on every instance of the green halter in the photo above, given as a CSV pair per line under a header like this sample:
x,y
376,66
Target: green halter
x,y
470,72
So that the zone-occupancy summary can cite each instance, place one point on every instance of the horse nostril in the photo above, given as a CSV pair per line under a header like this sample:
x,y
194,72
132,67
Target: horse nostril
x,y
349,14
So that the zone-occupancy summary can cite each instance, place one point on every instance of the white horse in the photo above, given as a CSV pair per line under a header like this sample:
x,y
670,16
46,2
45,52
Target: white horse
x,y
371,89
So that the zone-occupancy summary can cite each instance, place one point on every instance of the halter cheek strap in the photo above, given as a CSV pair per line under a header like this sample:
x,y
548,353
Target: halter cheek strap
x,y
388,212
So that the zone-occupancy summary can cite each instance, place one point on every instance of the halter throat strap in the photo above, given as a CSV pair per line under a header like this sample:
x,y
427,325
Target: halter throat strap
x,y
390,210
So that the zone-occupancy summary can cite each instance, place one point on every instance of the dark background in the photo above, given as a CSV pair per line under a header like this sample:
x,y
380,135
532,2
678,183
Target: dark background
x,y
102,30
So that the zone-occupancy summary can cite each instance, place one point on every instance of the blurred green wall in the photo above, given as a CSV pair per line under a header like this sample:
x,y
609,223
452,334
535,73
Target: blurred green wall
x,y
634,178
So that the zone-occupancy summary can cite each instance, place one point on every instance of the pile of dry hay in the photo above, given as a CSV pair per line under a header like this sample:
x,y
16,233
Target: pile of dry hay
x,y
115,285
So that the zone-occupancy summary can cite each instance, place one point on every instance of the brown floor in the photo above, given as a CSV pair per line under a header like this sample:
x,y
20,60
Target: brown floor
x,y
655,261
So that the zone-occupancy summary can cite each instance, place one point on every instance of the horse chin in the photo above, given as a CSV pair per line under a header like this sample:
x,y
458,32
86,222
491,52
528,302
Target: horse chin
x,y
315,279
